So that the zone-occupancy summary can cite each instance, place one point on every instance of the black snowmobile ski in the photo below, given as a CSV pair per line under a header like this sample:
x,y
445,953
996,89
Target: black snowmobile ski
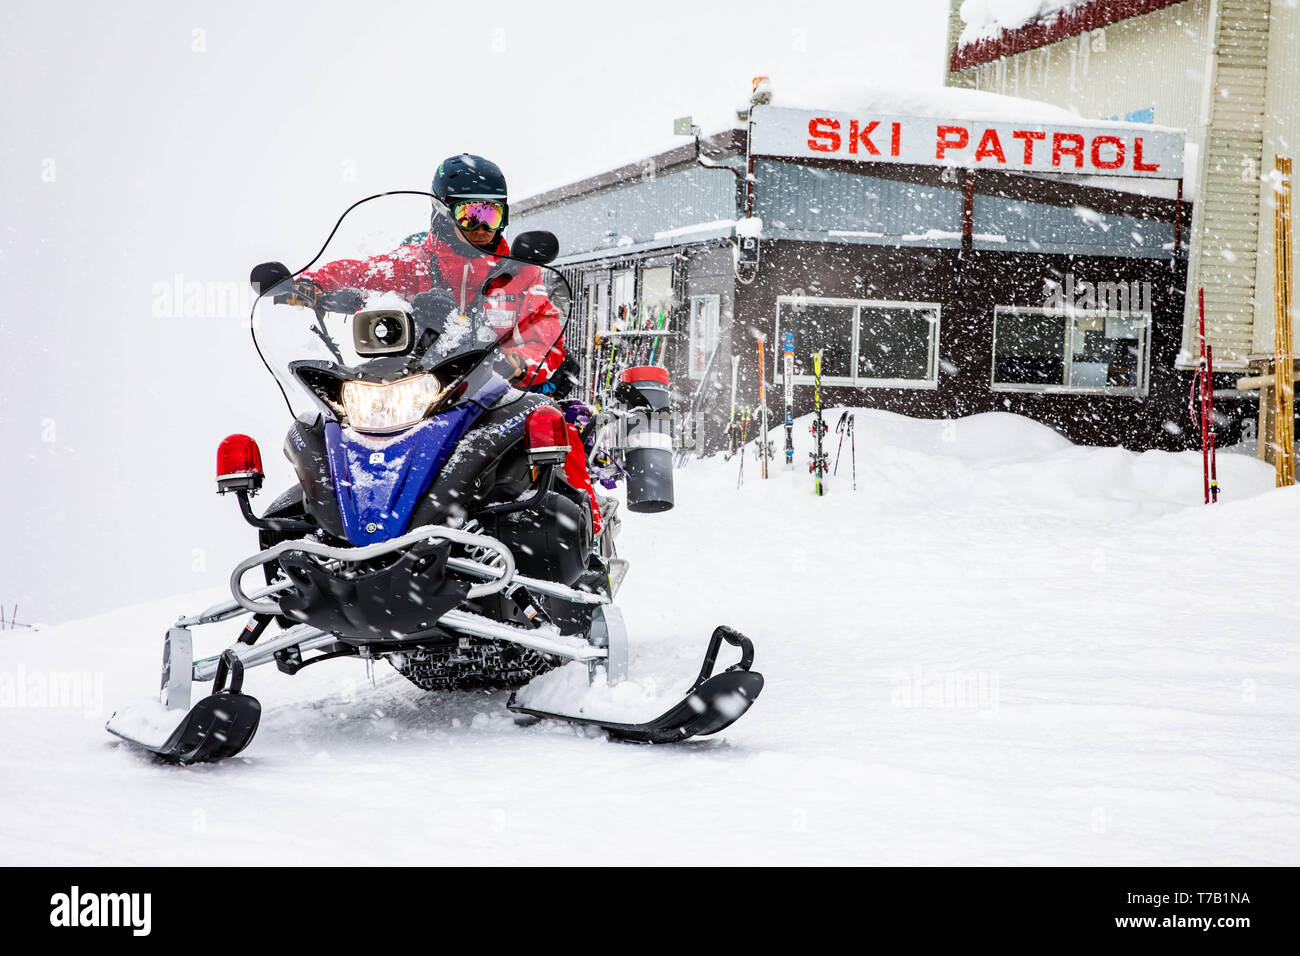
x,y
714,702
217,727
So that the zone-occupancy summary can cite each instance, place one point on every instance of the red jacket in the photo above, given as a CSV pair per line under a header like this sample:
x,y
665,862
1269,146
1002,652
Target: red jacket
x,y
537,339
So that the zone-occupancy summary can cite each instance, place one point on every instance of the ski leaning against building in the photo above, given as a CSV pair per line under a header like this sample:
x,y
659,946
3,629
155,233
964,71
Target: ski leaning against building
x,y
947,252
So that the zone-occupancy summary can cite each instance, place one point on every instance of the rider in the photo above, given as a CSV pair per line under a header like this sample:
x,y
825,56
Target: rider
x,y
470,206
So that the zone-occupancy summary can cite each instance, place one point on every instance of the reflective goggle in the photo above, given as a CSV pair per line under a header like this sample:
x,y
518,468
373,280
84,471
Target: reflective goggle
x,y
472,214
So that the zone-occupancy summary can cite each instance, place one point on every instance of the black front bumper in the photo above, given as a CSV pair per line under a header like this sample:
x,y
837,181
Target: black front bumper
x,y
393,599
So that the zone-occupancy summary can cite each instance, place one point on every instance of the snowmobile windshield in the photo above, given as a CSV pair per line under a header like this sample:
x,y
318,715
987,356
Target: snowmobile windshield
x,y
400,301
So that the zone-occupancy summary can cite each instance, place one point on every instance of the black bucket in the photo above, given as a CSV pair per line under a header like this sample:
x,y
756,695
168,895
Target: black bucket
x,y
648,447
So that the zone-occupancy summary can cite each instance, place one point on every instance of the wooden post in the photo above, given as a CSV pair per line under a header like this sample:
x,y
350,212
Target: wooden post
x,y
1265,440
1264,382
1283,365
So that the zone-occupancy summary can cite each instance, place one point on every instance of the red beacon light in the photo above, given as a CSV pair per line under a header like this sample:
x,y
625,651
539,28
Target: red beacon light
x,y
546,436
239,465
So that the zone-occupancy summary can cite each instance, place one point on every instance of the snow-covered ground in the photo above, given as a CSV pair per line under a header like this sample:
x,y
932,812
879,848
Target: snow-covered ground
x,y
1001,648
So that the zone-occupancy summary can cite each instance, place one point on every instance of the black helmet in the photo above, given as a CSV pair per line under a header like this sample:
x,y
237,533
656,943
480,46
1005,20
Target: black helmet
x,y
470,177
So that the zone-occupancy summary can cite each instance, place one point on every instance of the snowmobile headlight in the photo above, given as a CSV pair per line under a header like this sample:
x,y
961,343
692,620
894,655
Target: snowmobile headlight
x,y
370,407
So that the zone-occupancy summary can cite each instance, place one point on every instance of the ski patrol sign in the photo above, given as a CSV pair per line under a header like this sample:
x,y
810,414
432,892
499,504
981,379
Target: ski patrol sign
x,y
1080,149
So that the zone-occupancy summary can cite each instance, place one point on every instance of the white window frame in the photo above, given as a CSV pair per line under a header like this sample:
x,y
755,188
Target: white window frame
x,y
623,282
702,344
856,381
1067,346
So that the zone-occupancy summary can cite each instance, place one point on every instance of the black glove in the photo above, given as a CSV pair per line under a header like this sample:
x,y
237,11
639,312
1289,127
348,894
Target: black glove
x,y
305,293
340,300
432,308
509,366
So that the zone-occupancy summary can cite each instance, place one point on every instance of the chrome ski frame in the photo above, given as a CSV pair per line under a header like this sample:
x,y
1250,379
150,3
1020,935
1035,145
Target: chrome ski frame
x,y
605,648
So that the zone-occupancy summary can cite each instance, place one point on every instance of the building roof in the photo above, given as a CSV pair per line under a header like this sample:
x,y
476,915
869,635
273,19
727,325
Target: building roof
x,y
667,201
998,28
851,94
728,143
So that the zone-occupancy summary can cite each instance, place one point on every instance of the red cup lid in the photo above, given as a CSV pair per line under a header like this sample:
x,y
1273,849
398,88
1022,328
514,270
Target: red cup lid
x,y
646,373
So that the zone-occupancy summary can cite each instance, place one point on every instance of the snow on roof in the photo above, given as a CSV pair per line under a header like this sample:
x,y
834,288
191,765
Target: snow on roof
x,y
941,101
999,28
989,19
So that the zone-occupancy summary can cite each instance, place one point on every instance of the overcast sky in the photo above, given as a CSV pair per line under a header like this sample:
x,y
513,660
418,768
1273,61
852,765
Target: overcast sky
x,y
151,143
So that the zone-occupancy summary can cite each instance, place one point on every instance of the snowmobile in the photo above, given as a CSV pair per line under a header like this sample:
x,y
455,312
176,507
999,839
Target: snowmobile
x,y
432,524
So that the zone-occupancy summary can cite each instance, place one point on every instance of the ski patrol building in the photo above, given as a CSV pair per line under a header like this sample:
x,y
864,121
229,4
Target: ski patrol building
x,y
948,252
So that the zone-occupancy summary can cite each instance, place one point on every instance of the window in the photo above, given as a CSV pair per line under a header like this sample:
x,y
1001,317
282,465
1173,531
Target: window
x,y
656,292
656,314
1060,350
624,296
703,332
894,343
596,295
863,343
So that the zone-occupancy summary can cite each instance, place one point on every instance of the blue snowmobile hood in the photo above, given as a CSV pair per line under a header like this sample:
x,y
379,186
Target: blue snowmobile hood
x,y
379,480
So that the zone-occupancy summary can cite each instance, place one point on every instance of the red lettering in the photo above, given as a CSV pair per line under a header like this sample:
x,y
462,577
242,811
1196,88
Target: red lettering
x,y
1028,135
1115,163
1137,158
864,137
895,139
946,142
990,145
1067,144
816,132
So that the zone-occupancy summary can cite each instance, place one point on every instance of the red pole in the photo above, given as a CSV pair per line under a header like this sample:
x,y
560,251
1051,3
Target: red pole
x,y
1200,375
1209,389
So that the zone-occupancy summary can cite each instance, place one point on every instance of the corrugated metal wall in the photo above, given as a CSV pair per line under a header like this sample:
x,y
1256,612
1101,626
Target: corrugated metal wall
x,y
1017,225
1281,136
1225,243
1157,60
802,202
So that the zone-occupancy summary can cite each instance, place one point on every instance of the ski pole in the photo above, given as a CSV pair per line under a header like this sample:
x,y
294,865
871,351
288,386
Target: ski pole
x,y
644,347
788,381
853,451
657,346
762,408
731,422
696,404
839,430
743,436
609,369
